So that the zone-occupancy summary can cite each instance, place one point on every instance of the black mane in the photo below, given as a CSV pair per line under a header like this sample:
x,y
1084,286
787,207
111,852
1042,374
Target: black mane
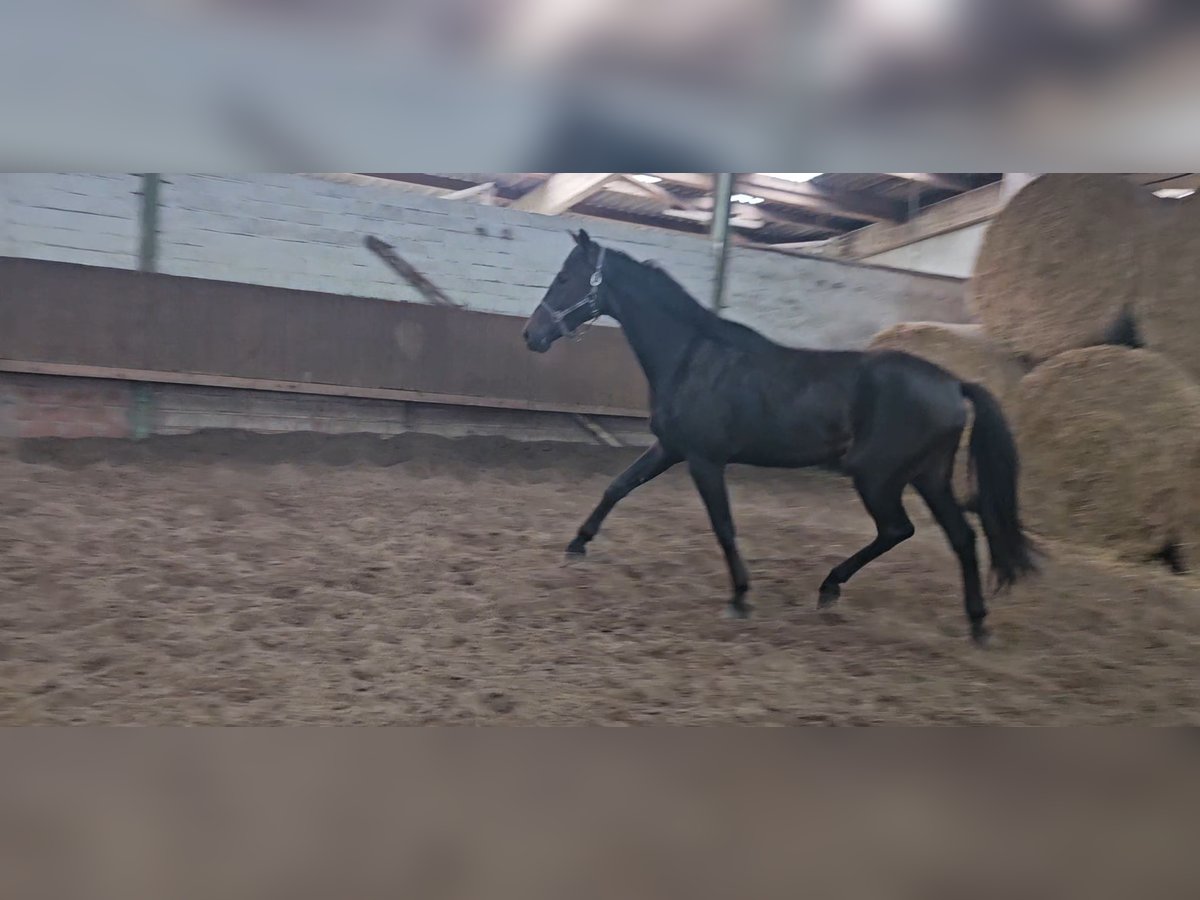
x,y
674,298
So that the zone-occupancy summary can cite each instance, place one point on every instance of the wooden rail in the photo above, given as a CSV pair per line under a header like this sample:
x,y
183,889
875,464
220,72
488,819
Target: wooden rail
x,y
296,387
94,322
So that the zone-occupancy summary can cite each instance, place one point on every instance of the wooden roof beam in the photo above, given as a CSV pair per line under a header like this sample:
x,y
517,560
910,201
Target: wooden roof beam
x,y
701,181
844,204
960,211
794,217
1158,180
561,191
427,179
483,191
623,184
941,181
747,217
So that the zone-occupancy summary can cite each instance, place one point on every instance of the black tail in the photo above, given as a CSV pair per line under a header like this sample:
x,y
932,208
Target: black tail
x,y
995,463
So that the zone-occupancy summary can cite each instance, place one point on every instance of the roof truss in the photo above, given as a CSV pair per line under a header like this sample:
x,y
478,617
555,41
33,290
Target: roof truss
x,y
862,214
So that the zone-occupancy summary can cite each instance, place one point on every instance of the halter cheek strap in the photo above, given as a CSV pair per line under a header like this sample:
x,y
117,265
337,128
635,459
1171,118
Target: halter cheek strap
x,y
590,302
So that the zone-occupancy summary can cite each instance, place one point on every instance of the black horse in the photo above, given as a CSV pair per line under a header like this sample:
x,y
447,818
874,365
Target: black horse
x,y
721,393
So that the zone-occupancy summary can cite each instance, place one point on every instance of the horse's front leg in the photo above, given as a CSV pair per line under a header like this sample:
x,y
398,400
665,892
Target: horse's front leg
x,y
649,465
710,482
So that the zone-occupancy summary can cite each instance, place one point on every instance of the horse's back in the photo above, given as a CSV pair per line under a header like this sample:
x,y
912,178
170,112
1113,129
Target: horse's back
x,y
915,375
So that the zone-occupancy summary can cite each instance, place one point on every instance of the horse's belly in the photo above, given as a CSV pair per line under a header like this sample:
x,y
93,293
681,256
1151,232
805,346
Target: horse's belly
x,y
785,449
790,457
735,436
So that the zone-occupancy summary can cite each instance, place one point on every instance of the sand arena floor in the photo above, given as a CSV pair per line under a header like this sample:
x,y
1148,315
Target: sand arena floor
x,y
229,578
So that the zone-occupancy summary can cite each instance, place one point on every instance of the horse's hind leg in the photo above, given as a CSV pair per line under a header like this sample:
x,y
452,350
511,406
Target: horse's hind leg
x,y
881,496
934,486
649,465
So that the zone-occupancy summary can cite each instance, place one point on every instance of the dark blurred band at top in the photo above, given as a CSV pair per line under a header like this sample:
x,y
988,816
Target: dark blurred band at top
x,y
584,84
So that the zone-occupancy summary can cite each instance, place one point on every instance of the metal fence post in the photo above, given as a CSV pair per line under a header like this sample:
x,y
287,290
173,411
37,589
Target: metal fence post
x,y
722,192
148,219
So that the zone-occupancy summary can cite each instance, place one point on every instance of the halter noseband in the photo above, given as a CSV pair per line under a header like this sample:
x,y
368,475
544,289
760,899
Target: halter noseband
x,y
590,302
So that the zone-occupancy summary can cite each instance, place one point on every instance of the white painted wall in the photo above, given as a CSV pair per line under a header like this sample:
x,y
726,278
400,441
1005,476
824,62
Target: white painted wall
x,y
87,219
952,253
306,233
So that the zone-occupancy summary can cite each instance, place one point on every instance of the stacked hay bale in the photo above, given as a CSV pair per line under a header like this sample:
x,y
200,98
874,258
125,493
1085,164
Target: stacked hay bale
x,y
1188,530
1167,316
1063,263
1074,267
1107,435
1167,311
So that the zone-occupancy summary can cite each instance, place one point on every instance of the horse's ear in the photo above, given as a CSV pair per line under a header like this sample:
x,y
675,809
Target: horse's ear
x,y
581,237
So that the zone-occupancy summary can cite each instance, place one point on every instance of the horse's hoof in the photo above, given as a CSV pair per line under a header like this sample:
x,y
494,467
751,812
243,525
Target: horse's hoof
x,y
829,595
576,550
981,636
737,610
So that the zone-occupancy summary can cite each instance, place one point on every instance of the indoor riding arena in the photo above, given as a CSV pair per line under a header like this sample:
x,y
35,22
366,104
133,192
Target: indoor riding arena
x,y
273,451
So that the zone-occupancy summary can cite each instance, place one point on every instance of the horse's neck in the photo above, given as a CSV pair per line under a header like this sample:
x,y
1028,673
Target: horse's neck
x,y
659,340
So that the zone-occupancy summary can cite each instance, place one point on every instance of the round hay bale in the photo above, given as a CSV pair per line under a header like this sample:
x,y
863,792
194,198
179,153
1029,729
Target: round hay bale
x,y
1168,309
1106,435
1061,264
965,351
1188,529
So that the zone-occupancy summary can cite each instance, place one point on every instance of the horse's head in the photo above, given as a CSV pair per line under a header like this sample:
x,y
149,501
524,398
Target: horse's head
x,y
572,300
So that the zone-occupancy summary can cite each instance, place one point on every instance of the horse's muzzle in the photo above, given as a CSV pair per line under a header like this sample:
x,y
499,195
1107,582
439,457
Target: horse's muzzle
x,y
536,344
